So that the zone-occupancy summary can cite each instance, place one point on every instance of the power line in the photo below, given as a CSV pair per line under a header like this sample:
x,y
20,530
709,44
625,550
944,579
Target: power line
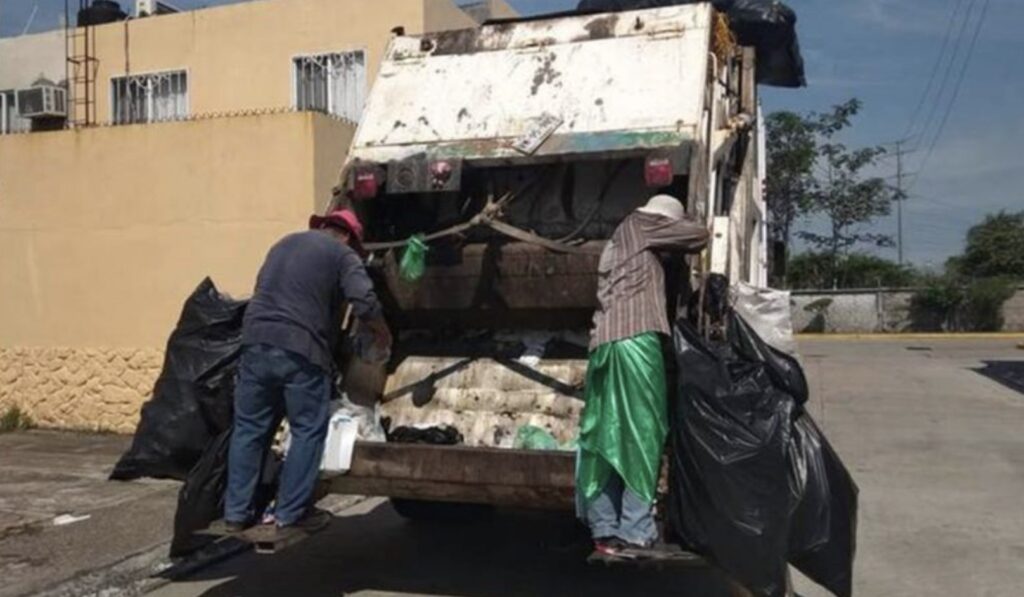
x,y
948,71
956,90
935,69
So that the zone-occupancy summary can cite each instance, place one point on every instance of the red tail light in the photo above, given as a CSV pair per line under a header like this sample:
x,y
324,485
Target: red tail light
x,y
365,185
440,174
658,172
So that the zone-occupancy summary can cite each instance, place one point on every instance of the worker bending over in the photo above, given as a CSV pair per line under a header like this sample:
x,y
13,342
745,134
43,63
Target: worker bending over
x,y
289,333
625,420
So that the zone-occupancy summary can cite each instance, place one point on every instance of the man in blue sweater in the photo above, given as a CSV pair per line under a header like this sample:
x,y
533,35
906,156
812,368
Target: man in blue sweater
x,y
291,327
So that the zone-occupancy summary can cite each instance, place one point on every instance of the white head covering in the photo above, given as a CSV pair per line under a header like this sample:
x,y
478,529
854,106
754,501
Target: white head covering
x,y
664,205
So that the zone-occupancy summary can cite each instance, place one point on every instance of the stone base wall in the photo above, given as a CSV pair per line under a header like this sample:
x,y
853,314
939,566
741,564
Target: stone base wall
x,y
95,389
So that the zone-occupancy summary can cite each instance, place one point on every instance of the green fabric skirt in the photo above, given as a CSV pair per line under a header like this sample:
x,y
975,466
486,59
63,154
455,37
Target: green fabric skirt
x,y
625,420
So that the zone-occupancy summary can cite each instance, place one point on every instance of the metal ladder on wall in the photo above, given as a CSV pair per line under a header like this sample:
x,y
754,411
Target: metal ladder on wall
x,y
80,69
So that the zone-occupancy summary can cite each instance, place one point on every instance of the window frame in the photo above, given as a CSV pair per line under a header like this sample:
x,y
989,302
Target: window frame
x,y
294,77
187,78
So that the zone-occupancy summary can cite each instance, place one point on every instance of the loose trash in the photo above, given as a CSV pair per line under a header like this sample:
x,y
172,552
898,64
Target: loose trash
x,y
65,519
768,311
530,437
193,397
753,482
342,431
367,417
444,435
363,420
414,259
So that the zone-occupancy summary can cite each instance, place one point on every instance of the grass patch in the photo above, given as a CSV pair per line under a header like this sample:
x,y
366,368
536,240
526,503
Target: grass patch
x,y
15,420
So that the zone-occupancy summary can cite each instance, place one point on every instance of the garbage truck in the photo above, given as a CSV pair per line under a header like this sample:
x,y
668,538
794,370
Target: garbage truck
x,y
509,153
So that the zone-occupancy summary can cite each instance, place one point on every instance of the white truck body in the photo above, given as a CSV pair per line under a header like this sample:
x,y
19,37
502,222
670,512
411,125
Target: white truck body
x,y
615,82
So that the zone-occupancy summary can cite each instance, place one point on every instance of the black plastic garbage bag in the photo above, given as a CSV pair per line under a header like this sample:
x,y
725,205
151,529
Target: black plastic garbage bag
x,y
753,483
192,398
767,25
442,435
201,498
770,27
823,531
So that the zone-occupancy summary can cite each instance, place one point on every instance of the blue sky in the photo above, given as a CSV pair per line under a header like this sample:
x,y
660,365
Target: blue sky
x,y
883,52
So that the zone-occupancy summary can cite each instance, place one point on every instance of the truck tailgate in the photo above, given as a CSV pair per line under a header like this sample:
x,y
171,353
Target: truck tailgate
x,y
504,477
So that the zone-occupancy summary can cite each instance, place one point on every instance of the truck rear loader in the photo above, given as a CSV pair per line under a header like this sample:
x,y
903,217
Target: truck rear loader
x,y
514,150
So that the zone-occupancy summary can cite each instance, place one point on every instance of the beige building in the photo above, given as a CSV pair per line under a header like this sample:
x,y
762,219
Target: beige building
x,y
24,60
236,121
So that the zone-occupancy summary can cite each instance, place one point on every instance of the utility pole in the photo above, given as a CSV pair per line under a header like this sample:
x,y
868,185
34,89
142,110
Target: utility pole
x,y
901,194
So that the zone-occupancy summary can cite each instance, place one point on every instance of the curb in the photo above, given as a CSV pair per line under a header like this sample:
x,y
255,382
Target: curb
x,y
1009,336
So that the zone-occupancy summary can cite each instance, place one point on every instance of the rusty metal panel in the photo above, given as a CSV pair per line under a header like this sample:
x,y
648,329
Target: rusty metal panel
x,y
516,276
460,474
473,93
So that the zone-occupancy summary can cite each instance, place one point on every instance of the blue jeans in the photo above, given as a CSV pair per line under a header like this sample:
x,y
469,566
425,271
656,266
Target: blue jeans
x,y
618,512
271,380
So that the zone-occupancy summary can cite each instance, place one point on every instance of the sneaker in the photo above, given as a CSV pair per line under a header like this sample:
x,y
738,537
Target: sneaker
x,y
611,547
312,521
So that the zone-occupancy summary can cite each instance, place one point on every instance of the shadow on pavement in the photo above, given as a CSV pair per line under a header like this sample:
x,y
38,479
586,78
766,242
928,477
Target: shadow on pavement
x,y
507,554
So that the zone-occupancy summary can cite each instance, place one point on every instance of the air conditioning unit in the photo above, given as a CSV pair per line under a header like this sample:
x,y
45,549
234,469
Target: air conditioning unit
x,y
151,8
43,100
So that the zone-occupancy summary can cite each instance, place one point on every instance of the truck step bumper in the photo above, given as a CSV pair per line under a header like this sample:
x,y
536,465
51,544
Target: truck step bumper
x,y
501,477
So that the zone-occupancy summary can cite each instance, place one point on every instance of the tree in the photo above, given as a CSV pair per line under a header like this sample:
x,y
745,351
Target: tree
x,y
841,193
971,293
995,247
855,270
792,152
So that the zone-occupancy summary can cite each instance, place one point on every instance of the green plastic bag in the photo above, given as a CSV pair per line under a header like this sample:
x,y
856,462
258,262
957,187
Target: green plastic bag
x,y
625,420
530,437
414,260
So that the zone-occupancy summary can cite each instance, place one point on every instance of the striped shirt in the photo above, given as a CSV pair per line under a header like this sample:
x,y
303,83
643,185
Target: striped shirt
x,y
631,283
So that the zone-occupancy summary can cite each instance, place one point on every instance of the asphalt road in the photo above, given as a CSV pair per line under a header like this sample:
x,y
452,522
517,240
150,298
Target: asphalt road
x,y
371,551
44,475
936,448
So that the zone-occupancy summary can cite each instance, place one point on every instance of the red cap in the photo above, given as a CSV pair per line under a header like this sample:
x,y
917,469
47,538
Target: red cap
x,y
343,218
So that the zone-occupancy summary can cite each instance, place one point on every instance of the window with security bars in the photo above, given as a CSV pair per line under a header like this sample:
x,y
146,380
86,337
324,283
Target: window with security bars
x,y
10,120
152,97
331,83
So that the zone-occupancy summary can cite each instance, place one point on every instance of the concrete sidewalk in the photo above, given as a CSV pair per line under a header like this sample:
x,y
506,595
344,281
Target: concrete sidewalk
x,y
47,474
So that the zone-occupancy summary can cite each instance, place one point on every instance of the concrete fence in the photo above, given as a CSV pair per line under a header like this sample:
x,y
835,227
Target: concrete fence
x,y
880,310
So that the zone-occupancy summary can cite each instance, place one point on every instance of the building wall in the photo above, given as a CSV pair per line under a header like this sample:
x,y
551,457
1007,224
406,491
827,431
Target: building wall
x,y
105,231
501,10
25,58
440,15
331,141
239,57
